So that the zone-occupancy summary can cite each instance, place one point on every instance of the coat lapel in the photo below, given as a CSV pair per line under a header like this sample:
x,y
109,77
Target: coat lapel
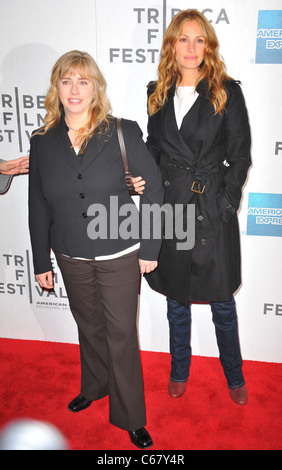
x,y
79,162
95,146
177,141
196,117
64,147
173,143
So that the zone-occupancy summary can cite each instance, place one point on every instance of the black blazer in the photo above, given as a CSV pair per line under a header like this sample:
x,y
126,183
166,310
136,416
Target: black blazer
x,y
63,186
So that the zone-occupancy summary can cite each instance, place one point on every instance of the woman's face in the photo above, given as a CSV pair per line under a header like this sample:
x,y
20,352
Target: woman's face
x,y
76,93
190,47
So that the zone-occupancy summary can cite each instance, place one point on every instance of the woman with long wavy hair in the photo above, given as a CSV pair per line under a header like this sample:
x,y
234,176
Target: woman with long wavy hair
x,y
76,170
212,68
198,133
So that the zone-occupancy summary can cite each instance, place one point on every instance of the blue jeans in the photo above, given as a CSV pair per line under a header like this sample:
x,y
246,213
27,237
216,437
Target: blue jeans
x,y
224,317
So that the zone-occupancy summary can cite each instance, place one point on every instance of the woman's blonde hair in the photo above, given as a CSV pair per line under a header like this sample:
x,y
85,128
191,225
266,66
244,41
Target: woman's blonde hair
x,y
99,111
212,68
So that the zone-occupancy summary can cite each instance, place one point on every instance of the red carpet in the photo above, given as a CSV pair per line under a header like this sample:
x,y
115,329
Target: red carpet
x,y
38,379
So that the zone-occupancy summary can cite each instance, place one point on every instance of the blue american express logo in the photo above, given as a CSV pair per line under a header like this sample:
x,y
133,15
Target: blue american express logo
x,y
269,37
265,214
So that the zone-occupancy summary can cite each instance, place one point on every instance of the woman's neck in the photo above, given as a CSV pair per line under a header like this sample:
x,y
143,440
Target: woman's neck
x,y
189,78
75,122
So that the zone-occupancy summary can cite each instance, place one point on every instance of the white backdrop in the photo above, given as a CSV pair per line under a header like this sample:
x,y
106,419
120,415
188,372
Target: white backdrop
x,y
124,36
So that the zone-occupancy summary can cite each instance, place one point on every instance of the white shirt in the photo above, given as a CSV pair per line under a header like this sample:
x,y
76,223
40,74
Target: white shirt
x,y
184,99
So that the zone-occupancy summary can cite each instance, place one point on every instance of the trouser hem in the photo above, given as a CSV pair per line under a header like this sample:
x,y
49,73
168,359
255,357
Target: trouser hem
x,y
178,381
233,387
130,427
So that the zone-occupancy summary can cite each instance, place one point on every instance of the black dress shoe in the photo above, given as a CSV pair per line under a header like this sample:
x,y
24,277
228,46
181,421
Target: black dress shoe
x,y
79,403
141,438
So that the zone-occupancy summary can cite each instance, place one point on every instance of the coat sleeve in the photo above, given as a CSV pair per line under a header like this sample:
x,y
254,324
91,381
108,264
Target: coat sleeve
x,y
39,216
238,158
150,142
5,181
141,163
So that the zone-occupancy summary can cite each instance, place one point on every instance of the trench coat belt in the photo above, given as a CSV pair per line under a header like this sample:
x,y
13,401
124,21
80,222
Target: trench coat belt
x,y
200,175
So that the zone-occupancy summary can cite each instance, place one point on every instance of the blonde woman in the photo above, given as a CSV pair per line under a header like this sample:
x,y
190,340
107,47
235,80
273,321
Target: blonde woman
x,y
75,162
199,134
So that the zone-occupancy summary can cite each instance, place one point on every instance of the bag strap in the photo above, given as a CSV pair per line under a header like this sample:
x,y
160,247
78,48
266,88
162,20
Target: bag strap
x,y
122,146
127,173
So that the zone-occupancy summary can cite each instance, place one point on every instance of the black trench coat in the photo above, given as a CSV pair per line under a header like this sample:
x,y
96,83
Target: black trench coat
x,y
213,151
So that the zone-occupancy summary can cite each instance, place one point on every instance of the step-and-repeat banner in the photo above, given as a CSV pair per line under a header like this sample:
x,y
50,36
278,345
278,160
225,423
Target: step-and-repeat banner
x,y
124,36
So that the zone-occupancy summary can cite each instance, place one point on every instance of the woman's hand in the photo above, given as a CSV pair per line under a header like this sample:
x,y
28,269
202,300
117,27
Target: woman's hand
x,y
45,280
138,184
15,167
147,266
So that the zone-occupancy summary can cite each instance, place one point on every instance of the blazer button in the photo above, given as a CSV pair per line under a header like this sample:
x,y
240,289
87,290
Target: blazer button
x,y
203,241
200,218
79,176
167,183
82,195
84,215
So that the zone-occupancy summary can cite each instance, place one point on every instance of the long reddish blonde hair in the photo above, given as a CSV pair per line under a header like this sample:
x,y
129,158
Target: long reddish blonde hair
x,y
212,69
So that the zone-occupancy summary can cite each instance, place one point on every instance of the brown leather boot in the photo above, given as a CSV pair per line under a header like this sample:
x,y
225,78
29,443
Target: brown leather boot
x,y
176,389
239,395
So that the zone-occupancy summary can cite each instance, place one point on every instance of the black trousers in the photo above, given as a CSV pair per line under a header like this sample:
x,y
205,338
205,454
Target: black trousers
x,y
103,298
